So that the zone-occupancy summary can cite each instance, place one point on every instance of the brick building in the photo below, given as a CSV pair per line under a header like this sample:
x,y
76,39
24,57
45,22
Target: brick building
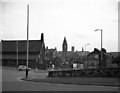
x,y
14,52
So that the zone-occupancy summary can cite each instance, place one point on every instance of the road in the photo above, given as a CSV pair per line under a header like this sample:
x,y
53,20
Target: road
x,y
11,82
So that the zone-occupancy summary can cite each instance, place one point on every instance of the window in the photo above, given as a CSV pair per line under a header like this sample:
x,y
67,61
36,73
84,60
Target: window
x,y
96,56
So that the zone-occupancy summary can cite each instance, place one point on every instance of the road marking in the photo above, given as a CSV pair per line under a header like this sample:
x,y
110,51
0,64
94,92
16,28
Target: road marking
x,y
19,79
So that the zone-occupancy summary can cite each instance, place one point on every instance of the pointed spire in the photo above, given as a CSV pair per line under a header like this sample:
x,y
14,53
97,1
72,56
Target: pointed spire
x,y
64,46
65,41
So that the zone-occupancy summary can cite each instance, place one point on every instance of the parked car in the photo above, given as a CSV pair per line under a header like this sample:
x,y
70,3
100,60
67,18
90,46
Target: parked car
x,y
22,67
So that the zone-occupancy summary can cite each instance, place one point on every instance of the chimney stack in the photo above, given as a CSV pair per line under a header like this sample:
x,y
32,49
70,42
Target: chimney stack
x,y
42,37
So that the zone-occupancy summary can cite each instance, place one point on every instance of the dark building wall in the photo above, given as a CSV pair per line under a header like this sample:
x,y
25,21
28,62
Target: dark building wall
x,y
103,63
10,49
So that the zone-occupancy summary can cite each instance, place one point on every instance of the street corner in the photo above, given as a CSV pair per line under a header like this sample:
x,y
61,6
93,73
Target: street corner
x,y
30,79
22,78
25,79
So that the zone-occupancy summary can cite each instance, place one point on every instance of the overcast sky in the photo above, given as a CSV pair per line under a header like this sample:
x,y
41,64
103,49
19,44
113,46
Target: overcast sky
x,y
74,19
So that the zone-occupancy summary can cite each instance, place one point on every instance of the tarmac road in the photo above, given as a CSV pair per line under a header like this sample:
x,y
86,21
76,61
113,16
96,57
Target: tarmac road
x,y
11,82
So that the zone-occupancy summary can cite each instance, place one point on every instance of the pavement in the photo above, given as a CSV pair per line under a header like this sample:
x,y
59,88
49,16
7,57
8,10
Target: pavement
x,y
42,76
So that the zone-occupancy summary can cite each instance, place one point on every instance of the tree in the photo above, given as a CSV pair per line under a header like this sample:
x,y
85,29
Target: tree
x,y
56,61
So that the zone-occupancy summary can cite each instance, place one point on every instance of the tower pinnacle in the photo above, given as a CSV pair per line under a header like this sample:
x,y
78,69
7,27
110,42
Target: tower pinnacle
x,y
64,46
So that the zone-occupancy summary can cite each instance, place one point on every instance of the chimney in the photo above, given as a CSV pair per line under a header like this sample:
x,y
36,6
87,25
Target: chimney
x,y
82,49
42,37
72,48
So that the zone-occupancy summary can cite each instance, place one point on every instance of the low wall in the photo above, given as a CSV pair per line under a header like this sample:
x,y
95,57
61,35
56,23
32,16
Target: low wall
x,y
104,72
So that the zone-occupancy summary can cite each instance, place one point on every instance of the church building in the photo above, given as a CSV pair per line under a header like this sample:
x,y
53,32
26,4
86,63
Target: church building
x,y
14,52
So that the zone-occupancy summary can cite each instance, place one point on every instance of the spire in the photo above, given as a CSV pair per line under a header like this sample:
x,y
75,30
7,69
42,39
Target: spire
x,y
64,42
64,46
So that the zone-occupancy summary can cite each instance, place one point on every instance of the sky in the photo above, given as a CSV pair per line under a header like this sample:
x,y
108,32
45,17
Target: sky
x,y
74,19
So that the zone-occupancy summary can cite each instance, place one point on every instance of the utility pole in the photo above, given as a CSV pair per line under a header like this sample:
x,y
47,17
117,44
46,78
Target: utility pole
x,y
27,40
17,53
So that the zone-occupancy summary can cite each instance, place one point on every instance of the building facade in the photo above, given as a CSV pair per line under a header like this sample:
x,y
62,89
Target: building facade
x,y
14,52
68,58
94,59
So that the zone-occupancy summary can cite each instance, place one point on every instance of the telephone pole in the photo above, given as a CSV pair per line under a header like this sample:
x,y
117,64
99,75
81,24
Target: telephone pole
x,y
27,40
17,53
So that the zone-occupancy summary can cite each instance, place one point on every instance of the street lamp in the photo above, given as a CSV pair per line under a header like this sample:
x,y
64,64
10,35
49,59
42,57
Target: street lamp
x,y
86,45
101,41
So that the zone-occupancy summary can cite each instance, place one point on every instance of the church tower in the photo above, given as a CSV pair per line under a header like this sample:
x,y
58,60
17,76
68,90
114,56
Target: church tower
x,y
64,45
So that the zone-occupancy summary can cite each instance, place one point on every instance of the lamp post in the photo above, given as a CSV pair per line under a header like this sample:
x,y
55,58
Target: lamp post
x,y
101,42
86,45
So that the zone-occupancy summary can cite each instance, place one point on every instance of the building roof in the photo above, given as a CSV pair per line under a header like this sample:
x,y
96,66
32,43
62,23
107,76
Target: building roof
x,y
9,49
115,54
11,45
20,57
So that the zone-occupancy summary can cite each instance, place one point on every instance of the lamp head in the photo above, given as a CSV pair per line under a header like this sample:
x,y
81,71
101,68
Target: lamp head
x,y
98,29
